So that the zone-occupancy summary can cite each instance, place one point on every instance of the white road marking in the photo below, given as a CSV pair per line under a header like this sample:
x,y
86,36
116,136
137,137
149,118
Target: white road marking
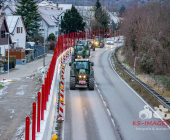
x,y
104,103
113,122
98,90
101,96
108,111
96,85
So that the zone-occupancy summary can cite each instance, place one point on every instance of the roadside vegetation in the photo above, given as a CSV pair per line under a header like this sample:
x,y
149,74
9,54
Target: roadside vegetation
x,y
1,85
147,37
159,83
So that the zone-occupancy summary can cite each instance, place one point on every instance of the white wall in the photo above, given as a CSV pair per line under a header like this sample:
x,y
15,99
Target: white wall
x,y
3,47
48,29
8,12
21,37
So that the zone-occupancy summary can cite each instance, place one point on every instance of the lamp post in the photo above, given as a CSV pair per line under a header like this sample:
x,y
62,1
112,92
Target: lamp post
x,y
44,45
8,52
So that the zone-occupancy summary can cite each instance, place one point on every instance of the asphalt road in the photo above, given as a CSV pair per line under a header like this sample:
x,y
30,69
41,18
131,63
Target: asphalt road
x,y
109,112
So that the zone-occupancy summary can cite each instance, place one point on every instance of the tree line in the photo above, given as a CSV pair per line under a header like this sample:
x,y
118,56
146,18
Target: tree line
x,y
147,36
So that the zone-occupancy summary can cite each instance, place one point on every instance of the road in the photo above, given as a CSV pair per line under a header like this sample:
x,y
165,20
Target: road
x,y
108,112
26,69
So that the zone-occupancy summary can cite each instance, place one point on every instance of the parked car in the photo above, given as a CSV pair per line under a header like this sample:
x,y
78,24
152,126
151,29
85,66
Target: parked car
x,y
110,41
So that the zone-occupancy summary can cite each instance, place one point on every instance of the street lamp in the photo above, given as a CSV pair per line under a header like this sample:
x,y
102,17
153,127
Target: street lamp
x,y
44,45
8,52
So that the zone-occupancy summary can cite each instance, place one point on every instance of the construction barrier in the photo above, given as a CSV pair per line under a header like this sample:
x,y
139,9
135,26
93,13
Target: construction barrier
x,y
43,112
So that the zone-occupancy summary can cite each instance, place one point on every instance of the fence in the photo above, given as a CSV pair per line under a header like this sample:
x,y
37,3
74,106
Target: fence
x,y
46,95
38,51
19,53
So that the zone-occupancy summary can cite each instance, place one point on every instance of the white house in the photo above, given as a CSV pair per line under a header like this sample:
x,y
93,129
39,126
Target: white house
x,y
9,9
17,30
50,20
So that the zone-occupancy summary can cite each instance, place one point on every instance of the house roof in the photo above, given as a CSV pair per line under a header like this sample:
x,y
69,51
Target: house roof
x,y
3,20
65,6
49,15
12,23
11,7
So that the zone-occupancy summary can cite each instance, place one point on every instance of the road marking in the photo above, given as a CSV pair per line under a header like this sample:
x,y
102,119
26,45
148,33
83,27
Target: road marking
x,y
101,96
135,91
98,90
108,111
96,85
113,122
104,103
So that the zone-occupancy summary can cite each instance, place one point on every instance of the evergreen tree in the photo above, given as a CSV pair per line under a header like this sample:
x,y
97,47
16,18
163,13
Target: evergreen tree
x,y
51,37
98,11
72,21
122,9
101,15
28,10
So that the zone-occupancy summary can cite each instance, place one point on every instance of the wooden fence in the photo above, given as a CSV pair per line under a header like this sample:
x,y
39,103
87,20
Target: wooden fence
x,y
19,53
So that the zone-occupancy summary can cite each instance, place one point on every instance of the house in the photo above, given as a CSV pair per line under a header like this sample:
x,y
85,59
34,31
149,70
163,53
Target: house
x,y
9,2
17,30
50,20
4,37
57,6
9,9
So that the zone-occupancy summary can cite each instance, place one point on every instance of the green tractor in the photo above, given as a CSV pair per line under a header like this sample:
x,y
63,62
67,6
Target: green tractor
x,y
98,42
80,51
81,74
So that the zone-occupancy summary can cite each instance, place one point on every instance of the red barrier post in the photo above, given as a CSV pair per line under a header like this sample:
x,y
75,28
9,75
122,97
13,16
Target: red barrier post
x,y
27,128
109,33
45,92
42,102
116,33
38,112
33,120
94,33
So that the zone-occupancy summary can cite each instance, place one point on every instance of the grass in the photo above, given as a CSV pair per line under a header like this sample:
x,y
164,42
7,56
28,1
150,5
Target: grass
x,y
1,86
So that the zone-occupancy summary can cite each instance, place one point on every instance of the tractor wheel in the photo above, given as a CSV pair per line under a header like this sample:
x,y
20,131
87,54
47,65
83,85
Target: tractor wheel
x,y
72,83
91,83
72,58
93,48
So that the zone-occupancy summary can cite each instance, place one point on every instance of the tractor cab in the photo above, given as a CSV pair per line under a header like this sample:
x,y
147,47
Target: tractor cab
x,y
81,73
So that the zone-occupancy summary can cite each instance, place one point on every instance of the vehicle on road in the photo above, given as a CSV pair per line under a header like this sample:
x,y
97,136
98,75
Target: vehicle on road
x,y
98,42
80,51
81,74
110,41
91,41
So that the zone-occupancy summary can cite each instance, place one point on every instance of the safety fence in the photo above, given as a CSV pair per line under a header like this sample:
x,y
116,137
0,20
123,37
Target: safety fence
x,y
61,53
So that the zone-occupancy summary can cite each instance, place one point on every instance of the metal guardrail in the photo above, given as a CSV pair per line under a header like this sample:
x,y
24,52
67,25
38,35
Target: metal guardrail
x,y
161,99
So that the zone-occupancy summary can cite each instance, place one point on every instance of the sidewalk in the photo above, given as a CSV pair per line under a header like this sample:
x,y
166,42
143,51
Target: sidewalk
x,y
27,69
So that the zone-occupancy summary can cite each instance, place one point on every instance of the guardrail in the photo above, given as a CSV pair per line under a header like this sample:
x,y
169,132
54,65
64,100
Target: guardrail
x,y
156,95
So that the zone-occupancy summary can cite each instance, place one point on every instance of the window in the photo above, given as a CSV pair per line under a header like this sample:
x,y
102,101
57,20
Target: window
x,y
21,29
18,29
61,17
3,34
56,33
